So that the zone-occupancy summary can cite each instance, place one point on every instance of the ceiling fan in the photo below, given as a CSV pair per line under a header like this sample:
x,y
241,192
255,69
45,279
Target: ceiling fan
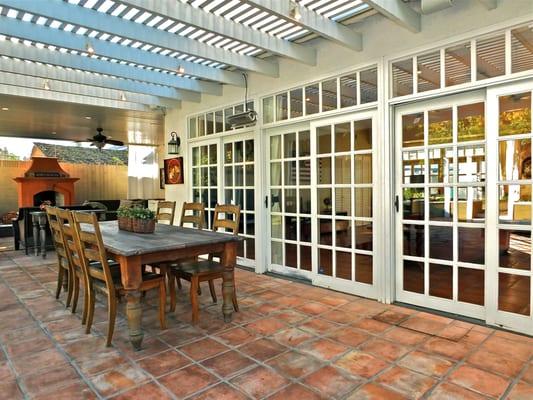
x,y
100,140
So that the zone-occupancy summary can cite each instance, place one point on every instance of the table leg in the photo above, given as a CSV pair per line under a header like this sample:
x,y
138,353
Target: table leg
x,y
42,231
131,275
228,260
36,236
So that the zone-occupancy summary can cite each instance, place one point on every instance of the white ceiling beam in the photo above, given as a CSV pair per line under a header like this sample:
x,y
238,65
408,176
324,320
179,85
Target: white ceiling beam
x,y
131,101
41,94
41,34
397,11
105,23
314,22
213,23
20,51
490,4
105,85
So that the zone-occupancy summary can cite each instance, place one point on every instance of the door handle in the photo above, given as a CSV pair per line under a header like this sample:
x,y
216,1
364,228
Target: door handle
x,y
397,203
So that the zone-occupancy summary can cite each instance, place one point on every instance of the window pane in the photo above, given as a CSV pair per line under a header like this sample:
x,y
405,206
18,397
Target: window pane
x,y
521,49
515,204
296,103
323,139
413,276
363,168
363,134
428,70
324,262
413,130
441,165
209,120
413,240
515,160
441,242
363,202
201,125
471,286
311,99
515,114
471,163
514,293
413,203
304,144
324,170
343,265
342,137
348,90
471,122
281,107
515,249
329,95
471,204
289,143
268,110
471,243
369,85
413,166
343,202
275,147
490,57
441,204
192,127
402,77
219,121
227,112
457,66
343,171
440,281
440,126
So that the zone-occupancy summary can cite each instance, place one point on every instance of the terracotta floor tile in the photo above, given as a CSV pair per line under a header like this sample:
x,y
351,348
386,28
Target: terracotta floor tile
x,y
505,365
187,381
294,364
292,336
479,381
100,362
339,316
384,349
371,391
371,325
426,364
262,349
348,336
289,301
120,378
6,373
222,391
404,336
227,364
51,379
447,348
361,364
410,383
313,308
37,361
202,349
392,317
521,391
28,347
291,316
473,337
424,325
318,326
10,390
150,391
323,349
499,345
180,336
331,383
77,390
259,382
236,336
163,363
448,391
295,391
266,326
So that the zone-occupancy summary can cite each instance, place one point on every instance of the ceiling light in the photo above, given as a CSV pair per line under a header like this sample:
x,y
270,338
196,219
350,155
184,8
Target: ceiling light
x,y
122,96
87,117
294,10
46,85
89,47
180,69
5,108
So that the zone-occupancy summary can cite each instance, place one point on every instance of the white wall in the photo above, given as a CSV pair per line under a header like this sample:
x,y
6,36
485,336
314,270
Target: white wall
x,y
381,38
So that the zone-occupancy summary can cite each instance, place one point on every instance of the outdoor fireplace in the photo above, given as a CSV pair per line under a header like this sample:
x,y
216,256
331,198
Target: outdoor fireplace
x,y
45,180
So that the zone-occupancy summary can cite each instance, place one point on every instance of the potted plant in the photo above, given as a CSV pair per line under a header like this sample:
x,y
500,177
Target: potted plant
x,y
143,220
124,217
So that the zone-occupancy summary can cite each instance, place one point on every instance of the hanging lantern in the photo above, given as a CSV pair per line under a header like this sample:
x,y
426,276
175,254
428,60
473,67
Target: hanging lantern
x,y
174,143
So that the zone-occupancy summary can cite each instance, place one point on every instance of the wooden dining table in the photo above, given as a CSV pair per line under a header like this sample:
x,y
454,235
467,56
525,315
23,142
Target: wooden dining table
x,y
167,243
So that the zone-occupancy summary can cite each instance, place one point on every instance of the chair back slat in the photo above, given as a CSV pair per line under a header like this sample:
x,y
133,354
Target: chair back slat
x,y
92,247
66,224
226,222
165,212
57,235
196,217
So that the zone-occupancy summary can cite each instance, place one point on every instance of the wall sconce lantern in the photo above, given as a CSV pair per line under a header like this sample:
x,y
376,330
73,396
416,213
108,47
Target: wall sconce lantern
x,y
174,143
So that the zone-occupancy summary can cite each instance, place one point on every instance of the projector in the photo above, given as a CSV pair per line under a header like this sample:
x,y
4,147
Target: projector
x,y
249,117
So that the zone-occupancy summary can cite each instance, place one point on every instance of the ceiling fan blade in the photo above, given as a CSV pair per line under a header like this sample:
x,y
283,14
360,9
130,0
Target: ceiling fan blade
x,y
114,142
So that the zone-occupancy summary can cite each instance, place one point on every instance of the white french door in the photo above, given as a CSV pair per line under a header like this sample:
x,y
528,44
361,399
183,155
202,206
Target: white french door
x,y
322,201
440,203
510,278
463,186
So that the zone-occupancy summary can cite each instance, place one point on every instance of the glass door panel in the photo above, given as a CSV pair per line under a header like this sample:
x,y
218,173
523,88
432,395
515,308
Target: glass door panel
x,y
441,185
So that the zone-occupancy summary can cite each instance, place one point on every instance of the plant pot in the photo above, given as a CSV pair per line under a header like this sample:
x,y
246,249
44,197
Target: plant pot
x,y
143,225
125,224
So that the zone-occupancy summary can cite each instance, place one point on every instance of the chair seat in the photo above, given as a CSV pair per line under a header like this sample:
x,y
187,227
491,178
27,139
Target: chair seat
x,y
201,267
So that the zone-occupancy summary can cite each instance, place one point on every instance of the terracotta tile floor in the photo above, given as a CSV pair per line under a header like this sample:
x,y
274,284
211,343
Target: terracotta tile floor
x,y
290,341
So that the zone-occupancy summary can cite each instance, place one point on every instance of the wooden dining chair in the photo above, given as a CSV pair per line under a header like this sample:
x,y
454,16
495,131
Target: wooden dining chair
x,y
102,278
208,270
165,212
63,255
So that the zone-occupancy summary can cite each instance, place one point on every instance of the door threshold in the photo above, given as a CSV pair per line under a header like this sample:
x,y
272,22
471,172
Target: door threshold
x,y
289,278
